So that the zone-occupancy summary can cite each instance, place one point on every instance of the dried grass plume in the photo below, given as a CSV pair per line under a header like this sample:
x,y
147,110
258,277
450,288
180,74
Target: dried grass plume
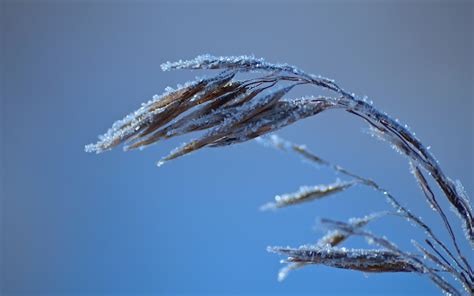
x,y
229,108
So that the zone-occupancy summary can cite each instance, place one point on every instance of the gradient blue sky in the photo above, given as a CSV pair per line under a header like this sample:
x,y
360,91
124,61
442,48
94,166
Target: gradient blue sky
x,y
76,223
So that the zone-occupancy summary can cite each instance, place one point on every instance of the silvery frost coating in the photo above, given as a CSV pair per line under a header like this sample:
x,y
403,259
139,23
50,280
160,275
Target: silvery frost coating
x,y
230,110
420,266
331,239
306,194
356,259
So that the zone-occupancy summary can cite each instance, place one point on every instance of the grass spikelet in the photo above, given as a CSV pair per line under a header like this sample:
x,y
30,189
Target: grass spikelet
x,y
332,238
214,89
306,194
366,260
335,237
231,124
148,113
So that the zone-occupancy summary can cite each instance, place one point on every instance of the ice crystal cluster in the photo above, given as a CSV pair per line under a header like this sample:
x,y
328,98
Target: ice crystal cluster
x,y
229,109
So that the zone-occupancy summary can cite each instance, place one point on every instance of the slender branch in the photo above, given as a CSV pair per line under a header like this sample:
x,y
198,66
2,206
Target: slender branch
x,y
301,150
431,198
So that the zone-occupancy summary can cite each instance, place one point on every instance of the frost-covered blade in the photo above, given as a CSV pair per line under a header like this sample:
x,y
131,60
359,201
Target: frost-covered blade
x,y
333,238
306,194
356,259
233,121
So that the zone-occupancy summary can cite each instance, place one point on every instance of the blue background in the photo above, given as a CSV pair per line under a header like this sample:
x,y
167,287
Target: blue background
x,y
77,223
